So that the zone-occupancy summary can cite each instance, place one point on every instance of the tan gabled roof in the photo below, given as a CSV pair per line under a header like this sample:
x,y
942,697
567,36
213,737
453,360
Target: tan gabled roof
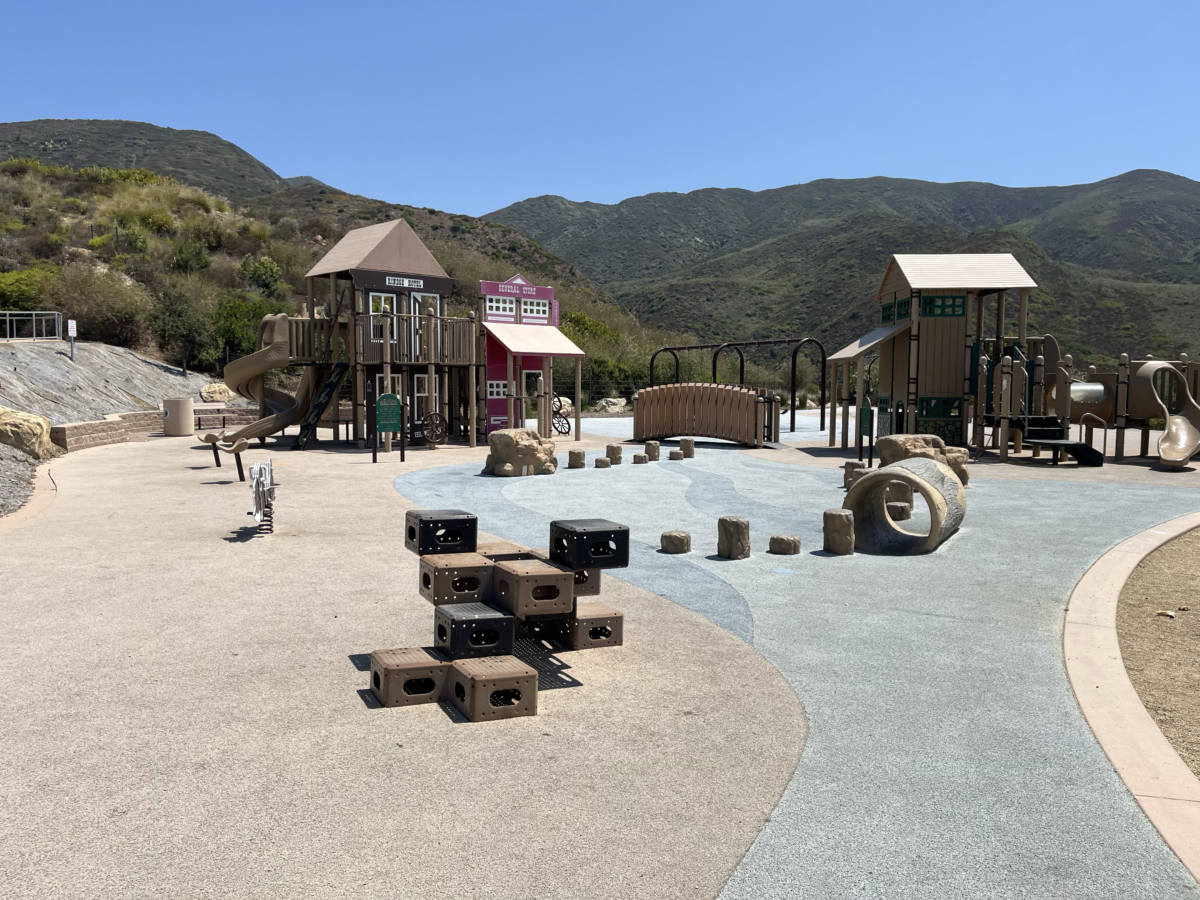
x,y
972,271
532,340
386,247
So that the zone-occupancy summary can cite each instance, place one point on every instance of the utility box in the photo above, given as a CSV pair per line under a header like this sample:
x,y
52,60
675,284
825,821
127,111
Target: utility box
x,y
589,544
456,578
494,687
533,587
408,676
440,531
470,630
594,625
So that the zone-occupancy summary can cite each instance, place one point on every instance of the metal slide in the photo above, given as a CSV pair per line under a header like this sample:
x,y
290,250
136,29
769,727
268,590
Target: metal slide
x,y
1181,436
245,377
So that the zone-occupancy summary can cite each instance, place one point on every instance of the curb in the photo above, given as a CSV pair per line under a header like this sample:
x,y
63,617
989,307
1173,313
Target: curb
x,y
43,494
1161,782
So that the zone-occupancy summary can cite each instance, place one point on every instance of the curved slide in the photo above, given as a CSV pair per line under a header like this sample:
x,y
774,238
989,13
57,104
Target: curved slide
x,y
245,377
1181,435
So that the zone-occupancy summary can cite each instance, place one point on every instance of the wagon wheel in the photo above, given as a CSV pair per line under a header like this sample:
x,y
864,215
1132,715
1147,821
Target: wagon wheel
x,y
436,431
557,404
561,423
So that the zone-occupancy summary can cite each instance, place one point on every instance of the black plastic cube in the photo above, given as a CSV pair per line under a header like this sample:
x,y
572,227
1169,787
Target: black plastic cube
x,y
440,531
471,630
589,544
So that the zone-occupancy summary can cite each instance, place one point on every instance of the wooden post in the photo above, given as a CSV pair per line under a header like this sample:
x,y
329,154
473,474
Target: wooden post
x,y
387,372
833,384
512,387
1121,407
541,406
1023,318
330,312
356,354
979,301
1005,404
999,323
972,298
1039,394
578,396
549,395
1145,451
845,404
980,402
860,368
472,388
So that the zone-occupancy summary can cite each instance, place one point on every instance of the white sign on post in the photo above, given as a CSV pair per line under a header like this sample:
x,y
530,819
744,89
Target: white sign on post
x,y
70,328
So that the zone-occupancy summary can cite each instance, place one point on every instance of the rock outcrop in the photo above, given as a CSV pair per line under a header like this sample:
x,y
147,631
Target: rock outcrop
x,y
26,432
896,447
519,451
217,392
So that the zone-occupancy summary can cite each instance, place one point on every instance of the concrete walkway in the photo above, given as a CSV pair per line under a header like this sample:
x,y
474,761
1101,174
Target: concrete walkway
x,y
947,756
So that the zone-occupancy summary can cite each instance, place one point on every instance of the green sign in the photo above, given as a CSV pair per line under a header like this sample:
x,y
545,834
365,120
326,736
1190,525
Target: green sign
x,y
864,421
387,413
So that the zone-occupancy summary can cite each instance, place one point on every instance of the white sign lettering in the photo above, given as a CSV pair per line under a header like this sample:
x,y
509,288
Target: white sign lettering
x,y
393,281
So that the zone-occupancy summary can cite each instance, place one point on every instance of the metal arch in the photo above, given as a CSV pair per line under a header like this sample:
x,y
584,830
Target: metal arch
x,y
654,356
798,348
741,361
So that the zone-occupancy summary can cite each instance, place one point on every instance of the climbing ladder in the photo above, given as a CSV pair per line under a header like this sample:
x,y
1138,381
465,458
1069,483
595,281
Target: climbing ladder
x,y
308,427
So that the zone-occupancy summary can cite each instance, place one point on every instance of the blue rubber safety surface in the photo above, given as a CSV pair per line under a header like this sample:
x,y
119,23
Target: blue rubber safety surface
x,y
946,754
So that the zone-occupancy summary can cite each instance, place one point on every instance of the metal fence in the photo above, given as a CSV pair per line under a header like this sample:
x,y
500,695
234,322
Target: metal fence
x,y
33,325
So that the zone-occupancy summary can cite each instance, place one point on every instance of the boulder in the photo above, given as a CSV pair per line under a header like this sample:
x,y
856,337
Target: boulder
x,y
26,432
613,452
576,459
603,462
899,512
640,459
519,451
733,537
566,407
851,471
895,447
839,532
675,454
676,542
652,451
610,405
217,392
784,544
688,447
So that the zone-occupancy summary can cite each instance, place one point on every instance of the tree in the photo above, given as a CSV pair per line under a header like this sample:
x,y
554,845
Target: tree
x,y
264,277
184,320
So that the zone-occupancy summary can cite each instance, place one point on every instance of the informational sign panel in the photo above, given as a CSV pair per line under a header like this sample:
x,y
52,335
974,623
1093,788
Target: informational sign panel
x,y
70,328
387,414
864,420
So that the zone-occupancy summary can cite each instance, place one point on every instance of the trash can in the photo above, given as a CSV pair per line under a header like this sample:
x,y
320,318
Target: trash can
x,y
179,418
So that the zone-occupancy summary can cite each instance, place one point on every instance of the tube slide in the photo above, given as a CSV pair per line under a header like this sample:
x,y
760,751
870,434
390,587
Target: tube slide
x,y
245,377
1181,436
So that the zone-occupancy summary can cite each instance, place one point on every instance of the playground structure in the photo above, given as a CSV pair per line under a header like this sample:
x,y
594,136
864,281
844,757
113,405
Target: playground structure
x,y
876,532
486,597
938,374
383,329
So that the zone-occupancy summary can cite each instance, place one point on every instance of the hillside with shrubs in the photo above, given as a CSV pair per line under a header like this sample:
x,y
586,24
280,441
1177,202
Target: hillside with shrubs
x,y
145,261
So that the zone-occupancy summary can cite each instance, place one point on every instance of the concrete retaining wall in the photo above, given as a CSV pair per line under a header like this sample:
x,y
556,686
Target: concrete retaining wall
x,y
119,427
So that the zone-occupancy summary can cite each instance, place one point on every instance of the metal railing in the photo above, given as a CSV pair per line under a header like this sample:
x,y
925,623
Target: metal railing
x,y
33,325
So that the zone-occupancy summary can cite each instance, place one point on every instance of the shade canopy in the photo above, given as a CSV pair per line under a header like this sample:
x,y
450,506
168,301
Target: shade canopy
x,y
532,340
983,272
869,342
386,247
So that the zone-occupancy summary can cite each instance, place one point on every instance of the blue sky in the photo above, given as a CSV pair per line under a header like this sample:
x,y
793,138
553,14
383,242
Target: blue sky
x,y
469,106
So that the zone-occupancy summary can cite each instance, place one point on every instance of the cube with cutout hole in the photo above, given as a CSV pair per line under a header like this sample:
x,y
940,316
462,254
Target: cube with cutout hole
x,y
594,625
493,687
533,587
468,630
455,578
589,544
440,531
587,581
408,676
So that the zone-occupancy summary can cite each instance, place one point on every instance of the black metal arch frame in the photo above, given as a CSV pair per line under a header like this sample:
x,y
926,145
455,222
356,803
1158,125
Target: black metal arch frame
x,y
738,345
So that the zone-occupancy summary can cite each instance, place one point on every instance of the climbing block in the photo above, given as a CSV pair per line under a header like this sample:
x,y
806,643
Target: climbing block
x,y
733,537
440,531
640,459
492,549
533,587
839,531
492,687
468,630
676,542
784,544
603,462
594,625
576,459
687,446
613,452
455,578
852,471
408,676
675,454
589,544
587,581
899,512
652,451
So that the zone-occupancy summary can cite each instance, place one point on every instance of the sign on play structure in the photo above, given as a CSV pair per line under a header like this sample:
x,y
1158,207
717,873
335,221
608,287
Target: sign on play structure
x,y
393,281
70,328
864,421
387,413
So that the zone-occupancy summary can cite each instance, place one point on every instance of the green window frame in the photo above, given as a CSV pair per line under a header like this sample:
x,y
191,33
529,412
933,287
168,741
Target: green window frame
x,y
887,313
943,306
939,407
903,308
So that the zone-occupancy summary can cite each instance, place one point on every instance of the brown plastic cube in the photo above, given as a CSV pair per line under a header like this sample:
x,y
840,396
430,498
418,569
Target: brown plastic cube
x,y
492,548
594,625
493,687
456,578
533,587
587,581
408,676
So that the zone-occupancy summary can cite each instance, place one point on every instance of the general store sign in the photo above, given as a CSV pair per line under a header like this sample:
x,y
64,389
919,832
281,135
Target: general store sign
x,y
516,287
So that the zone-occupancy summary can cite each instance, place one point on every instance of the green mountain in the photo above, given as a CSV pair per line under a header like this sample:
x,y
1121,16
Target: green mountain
x,y
196,158
1118,262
